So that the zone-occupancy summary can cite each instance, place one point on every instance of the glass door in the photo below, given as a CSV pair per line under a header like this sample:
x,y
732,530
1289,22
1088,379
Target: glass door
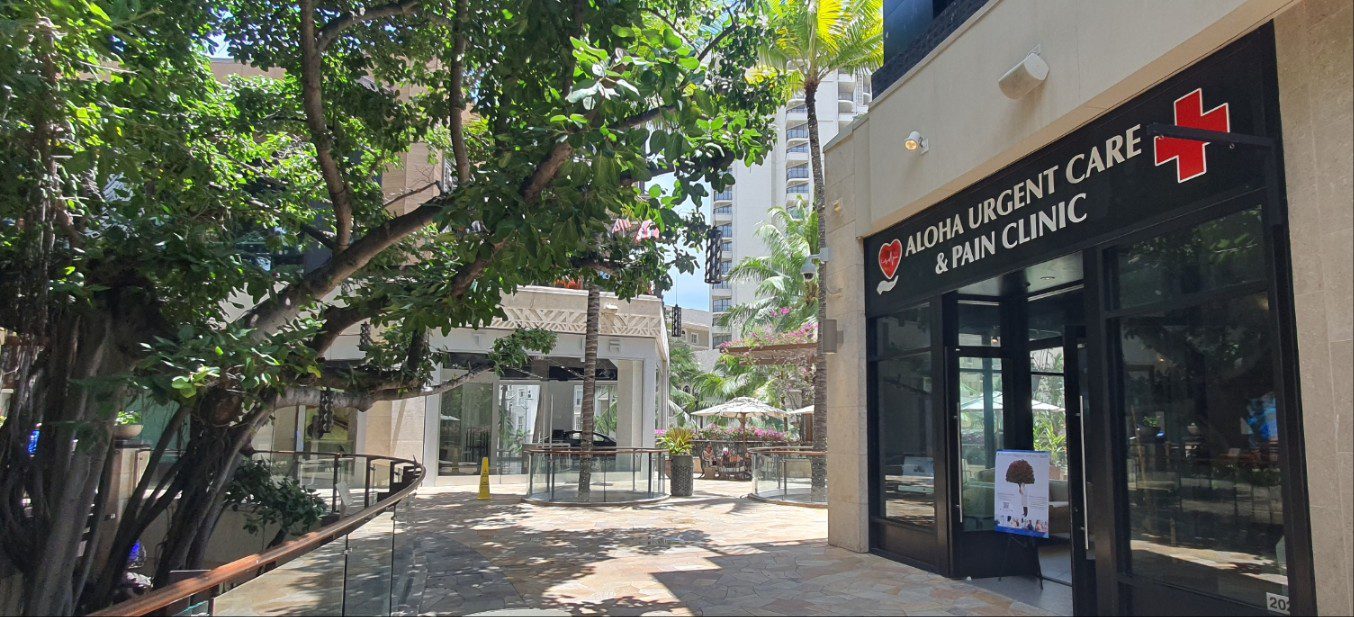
x,y
1080,489
1195,365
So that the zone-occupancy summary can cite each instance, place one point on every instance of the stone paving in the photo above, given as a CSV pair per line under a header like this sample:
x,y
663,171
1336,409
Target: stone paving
x,y
715,553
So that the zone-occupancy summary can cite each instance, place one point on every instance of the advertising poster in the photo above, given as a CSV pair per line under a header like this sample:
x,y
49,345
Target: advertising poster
x,y
1022,492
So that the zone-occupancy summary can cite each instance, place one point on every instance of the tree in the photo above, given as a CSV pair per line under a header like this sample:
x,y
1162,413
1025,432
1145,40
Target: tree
x,y
784,301
588,416
813,39
118,139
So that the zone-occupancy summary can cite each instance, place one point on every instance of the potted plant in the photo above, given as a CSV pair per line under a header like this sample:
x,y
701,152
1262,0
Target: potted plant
x,y
678,441
127,425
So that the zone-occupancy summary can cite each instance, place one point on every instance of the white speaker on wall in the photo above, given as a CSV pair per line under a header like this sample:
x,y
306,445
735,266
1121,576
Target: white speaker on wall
x,y
1023,78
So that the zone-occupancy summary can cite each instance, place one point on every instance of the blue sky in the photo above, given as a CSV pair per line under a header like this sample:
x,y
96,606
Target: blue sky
x,y
688,290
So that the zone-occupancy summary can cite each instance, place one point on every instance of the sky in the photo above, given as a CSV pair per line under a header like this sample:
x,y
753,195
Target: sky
x,y
688,290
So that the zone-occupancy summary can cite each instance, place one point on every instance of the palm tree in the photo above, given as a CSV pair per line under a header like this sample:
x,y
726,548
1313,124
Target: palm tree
x,y
812,39
588,415
784,301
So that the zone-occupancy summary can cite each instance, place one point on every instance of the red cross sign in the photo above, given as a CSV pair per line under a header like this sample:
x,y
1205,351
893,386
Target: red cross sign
x,y
1188,154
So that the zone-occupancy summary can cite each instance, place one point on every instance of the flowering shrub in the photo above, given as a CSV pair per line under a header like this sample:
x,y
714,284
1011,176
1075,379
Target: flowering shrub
x,y
806,333
720,433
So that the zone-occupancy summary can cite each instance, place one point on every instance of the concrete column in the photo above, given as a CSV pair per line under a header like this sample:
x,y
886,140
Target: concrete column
x,y
1316,80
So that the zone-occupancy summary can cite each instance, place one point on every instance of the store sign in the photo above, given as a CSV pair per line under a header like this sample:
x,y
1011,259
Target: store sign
x,y
1092,183
1022,492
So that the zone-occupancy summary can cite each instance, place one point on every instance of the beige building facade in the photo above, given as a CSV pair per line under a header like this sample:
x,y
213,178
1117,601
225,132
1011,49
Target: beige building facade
x,y
1213,474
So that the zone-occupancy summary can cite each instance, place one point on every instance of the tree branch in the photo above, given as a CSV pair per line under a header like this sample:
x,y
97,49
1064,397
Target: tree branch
x,y
272,313
363,400
331,31
312,102
411,192
458,95
318,235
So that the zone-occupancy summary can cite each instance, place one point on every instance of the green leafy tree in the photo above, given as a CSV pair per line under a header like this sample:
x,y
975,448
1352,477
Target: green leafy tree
x,y
266,500
784,301
204,243
811,40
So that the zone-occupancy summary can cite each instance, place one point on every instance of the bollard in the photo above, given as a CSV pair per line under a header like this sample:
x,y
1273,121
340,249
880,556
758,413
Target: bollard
x,y
484,479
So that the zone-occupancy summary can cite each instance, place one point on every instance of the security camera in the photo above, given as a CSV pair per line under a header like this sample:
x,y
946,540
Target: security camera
x,y
809,271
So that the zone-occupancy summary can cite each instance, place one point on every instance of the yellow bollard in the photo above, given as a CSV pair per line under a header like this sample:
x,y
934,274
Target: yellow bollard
x,y
484,479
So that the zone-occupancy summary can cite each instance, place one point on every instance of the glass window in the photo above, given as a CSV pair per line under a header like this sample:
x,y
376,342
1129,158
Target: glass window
x,y
465,423
980,436
1050,316
1202,429
338,438
1221,252
906,434
979,324
1050,428
906,330
519,423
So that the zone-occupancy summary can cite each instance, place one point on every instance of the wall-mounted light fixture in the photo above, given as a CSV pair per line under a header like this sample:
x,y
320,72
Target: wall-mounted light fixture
x,y
915,142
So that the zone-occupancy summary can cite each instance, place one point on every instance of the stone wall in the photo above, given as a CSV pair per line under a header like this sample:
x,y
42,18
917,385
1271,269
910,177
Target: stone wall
x,y
1315,49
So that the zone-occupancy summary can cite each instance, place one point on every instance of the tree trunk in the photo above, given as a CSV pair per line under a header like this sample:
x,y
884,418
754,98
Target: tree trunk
x,y
588,417
71,452
819,465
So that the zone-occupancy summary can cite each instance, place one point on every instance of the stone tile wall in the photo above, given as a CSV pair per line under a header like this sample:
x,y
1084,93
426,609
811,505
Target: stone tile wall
x,y
1315,49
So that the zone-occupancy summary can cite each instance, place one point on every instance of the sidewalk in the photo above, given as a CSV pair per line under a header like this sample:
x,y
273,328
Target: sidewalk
x,y
712,554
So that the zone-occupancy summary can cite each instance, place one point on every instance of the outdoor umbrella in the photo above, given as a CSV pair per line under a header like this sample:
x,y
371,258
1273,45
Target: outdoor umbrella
x,y
741,408
977,404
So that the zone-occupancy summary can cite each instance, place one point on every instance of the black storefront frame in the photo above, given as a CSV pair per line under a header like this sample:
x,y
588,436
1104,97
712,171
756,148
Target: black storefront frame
x,y
1110,527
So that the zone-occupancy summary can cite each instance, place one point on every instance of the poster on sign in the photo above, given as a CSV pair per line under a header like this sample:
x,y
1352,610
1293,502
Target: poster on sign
x,y
1022,492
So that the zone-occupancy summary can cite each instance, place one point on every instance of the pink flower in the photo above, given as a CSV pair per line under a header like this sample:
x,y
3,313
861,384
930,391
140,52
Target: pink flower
x,y
646,231
621,226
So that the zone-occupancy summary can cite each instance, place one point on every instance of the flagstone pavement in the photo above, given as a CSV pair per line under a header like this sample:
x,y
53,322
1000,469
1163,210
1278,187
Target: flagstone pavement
x,y
715,553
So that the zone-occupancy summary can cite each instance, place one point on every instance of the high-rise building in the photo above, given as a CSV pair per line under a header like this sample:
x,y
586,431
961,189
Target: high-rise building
x,y
783,178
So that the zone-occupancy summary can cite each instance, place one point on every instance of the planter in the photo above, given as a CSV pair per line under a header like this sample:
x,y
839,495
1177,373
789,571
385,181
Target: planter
x,y
127,431
681,475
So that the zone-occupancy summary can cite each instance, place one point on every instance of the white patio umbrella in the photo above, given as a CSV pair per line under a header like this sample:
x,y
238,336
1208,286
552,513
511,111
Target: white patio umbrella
x,y
802,411
977,404
741,408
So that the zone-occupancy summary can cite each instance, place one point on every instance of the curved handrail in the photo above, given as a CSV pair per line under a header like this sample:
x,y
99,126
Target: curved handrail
x,y
249,564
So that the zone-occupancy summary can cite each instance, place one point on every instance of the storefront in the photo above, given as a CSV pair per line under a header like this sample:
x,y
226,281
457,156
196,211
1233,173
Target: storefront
x,y
1120,302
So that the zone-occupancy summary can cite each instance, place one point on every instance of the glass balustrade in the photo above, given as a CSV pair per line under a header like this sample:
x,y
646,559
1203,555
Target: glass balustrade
x,y
561,474
784,474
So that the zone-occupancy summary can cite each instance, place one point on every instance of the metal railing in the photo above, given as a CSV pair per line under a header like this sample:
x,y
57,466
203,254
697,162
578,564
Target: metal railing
x,y
784,475
795,173
360,564
798,133
724,196
617,475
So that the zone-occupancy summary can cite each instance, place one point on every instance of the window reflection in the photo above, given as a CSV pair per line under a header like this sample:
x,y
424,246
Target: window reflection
x,y
465,420
907,448
979,324
1220,252
1201,423
980,436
